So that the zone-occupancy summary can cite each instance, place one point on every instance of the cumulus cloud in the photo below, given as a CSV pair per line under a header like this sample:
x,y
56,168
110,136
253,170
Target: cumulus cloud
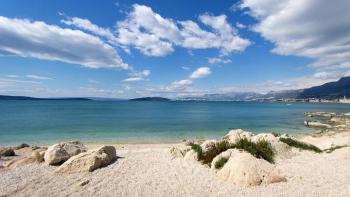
x,y
200,73
319,30
147,31
36,39
38,77
138,76
155,35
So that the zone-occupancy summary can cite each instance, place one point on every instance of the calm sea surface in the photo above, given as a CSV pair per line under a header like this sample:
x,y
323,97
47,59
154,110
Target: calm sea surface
x,y
44,122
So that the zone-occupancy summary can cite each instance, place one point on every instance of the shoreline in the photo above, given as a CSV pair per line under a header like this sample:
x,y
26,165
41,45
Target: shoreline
x,y
174,169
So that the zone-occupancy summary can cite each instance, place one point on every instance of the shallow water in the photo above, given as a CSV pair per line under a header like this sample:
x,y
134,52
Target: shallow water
x,y
44,122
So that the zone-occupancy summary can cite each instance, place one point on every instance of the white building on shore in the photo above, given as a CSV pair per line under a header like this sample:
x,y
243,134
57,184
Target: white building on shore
x,y
344,100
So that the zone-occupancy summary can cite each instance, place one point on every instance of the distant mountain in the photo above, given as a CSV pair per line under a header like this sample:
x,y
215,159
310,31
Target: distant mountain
x,y
150,99
236,96
6,97
285,94
329,90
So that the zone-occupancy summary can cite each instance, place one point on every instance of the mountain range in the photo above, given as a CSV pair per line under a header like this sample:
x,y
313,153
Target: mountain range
x,y
331,90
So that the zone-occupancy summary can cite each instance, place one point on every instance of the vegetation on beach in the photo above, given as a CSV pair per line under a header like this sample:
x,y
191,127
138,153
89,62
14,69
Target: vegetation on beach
x,y
220,163
198,149
261,149
300,145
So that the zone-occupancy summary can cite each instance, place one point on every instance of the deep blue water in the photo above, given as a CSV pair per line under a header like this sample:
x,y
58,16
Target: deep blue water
x,y
44,122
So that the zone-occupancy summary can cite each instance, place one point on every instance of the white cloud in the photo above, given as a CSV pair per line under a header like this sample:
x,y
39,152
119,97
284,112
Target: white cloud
x,y
185,67
38,77
332,74
181,84
36,39
86,24
218,60
12,76
155,35
200,72
240,25
147,31
138,76
319,30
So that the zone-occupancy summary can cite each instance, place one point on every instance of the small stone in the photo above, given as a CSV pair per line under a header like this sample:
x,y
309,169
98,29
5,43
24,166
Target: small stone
x,y
83,183
7,152
23,145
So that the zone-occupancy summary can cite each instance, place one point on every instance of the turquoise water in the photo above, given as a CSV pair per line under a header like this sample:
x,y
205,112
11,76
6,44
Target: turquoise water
x,y
44,122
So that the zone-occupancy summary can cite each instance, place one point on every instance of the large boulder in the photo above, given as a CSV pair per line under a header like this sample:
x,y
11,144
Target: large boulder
x,y
59,153
245,170
89,161
7,152
280,149
235,135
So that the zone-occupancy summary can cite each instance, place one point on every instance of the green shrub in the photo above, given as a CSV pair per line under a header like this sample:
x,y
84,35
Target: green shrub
x,y
220,163
261,149
300,145
215,150
198,149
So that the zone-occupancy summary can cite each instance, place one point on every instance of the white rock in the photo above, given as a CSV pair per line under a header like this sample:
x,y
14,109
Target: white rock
x,y
89,161
191,156
245,170
178,152
58,153
317,124
208,145
35,157
235,135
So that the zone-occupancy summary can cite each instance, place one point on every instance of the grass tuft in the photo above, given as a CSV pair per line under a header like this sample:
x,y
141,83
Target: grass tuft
x,y
300,145
261,149
198,149
220,163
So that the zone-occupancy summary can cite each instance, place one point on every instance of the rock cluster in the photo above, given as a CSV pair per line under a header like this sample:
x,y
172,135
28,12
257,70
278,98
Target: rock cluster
x,y
59,153
73,157
89,161
328,121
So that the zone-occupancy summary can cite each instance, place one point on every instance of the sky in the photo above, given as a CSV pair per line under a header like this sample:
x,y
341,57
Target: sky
x,y
126,49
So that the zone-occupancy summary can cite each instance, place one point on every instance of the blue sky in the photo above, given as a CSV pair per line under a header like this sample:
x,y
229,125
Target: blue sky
x,y
125,49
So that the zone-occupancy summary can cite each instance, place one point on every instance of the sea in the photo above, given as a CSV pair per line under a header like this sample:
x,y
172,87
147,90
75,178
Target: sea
x,y
49,121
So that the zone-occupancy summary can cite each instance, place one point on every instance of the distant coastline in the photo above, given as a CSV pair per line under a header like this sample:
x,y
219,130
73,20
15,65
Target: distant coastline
x,y
6,97
150,99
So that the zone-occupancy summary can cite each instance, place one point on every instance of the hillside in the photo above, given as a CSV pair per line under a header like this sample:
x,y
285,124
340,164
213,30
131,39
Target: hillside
x,y
329,90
